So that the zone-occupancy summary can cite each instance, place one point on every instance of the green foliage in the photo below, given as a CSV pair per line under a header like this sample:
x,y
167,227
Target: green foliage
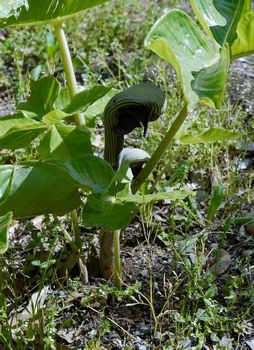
x,y
107,211
65,142
228,22
216,199
43,95
211,135
201,64
200,309
31,12
5,222
86,98
220,18
18,131
37,188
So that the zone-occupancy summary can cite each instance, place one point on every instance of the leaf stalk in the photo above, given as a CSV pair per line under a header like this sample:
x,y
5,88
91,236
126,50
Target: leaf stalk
x,y
166,141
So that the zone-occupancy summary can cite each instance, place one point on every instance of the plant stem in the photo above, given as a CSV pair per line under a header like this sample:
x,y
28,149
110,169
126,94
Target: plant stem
x,y
76,229
68,67
168,138
117,265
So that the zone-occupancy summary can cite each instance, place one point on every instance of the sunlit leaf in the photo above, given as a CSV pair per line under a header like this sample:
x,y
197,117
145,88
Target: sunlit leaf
x,y
200,63
17,132
66,142
211,135
98,107
10,5
85,98
37,188
6,172
5,222
220,17
42,11
43,95
244,43
54,117
172,195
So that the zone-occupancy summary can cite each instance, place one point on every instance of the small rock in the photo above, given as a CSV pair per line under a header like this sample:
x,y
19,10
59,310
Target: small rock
x,y
246,163
250,228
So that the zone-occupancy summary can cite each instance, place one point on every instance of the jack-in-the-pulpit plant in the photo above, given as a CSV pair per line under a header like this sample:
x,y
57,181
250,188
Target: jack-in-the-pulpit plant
x,y
66,163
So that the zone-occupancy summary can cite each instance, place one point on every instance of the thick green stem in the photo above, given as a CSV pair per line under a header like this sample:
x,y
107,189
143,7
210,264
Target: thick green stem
x,y
168,138
117,265
73,89
68,67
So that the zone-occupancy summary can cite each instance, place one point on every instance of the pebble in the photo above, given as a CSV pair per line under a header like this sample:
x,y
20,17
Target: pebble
x,y
250,228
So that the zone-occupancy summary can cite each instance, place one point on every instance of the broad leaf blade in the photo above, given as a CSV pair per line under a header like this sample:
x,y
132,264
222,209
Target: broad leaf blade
x,y
200,64
65,142
244,43
172,195
5,222
54,117
17,132
90,172
220,17
107,211
98,107
211,135
6,172
114,213
43,95
215,201
85,98
43,11
6,6
38,188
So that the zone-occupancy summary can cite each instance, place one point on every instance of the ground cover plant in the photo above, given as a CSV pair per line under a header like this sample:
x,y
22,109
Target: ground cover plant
x,y
66,163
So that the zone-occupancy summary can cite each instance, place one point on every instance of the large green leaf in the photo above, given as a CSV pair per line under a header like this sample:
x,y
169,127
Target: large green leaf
x,y
42,11
220,17
17,131
37,188
65,142
5,222
211,135
90,172
115,212
98,107
200,63
5,180
7,5
54,117
244,43
107,211
85,98
172,195
43,95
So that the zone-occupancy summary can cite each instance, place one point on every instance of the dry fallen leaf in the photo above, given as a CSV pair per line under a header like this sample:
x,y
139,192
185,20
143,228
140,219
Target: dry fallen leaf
x,y
37,222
